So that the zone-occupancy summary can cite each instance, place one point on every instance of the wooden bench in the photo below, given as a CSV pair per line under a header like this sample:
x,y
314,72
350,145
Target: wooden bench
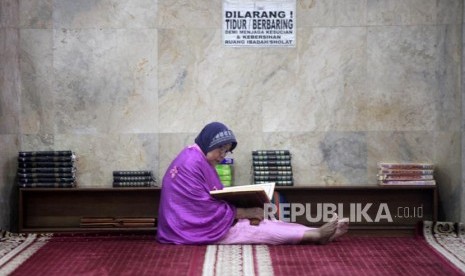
x,y
372,210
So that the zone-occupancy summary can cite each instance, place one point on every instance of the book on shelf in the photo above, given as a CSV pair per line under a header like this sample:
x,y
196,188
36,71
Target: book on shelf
x,y
408,182
132,173
272,173
406,166
270,157
46,180
46,153
271,152
406,177
272,177
46,175
278,182
46,159
45,164
47,170
132,178
47,185
271,163
134,184
405,172
246,196
272,168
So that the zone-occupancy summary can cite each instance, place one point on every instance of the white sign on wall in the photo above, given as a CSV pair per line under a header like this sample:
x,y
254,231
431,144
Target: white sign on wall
x,y
264,23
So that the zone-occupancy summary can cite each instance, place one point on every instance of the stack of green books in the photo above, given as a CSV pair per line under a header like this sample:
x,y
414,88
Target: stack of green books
x,y
225,171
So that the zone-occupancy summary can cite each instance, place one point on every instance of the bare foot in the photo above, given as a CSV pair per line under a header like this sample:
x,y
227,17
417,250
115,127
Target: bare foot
x,y
341,229
323,234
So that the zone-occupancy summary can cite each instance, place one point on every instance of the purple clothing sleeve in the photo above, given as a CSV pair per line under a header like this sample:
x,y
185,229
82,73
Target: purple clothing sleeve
x,y
188,214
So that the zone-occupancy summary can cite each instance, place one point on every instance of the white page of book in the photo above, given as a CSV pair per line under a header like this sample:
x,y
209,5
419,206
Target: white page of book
x,y
267,187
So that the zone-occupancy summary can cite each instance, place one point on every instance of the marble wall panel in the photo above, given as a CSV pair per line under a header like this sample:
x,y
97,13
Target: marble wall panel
x,y
447,154
447,103
401,12
32,142
192,14
36,14
345,155
103,84
94,14
402,78
200,81
8,195
462,128
328,83
9,10
308,165
36,81
9,81
324,13
449,11
281,92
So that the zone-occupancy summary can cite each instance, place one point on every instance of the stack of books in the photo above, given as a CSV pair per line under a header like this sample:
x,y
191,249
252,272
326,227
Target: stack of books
x,y
46,169
272,166
225,171
406,174
133,179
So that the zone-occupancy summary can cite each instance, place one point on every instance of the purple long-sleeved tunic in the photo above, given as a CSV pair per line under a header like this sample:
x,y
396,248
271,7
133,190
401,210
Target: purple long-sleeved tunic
x,y
187,213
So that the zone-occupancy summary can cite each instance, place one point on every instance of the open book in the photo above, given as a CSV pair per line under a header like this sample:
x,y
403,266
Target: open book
x,y
246,196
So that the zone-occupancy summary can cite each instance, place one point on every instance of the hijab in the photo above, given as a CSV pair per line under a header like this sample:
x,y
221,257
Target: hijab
x,y
215,135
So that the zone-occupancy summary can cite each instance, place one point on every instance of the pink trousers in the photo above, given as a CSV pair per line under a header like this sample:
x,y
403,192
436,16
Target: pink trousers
x,y
267,232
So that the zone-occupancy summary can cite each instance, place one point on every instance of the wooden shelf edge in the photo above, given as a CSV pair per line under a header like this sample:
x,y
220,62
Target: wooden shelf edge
x,y
86,229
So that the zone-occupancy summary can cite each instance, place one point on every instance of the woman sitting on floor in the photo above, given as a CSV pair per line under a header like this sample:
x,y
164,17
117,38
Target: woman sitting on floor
x,y
188,214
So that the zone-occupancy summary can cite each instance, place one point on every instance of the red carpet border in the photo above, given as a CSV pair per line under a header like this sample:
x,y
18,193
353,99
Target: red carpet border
x,y
448,238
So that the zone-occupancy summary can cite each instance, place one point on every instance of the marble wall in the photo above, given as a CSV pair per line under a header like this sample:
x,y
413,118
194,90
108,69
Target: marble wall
x,y
10,108
128,85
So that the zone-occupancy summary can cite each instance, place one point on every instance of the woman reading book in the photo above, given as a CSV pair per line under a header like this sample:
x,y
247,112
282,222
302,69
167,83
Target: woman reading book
x,y
188,214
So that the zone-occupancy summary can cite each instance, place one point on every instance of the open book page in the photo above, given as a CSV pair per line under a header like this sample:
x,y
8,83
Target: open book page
x,y
246,196
267,187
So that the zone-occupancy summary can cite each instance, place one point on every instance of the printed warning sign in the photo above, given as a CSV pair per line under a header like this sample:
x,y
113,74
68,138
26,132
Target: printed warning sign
x,y
259,23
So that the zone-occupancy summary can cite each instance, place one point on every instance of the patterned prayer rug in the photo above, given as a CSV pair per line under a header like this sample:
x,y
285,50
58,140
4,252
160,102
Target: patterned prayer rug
x,y
17,248
448,239
237,260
